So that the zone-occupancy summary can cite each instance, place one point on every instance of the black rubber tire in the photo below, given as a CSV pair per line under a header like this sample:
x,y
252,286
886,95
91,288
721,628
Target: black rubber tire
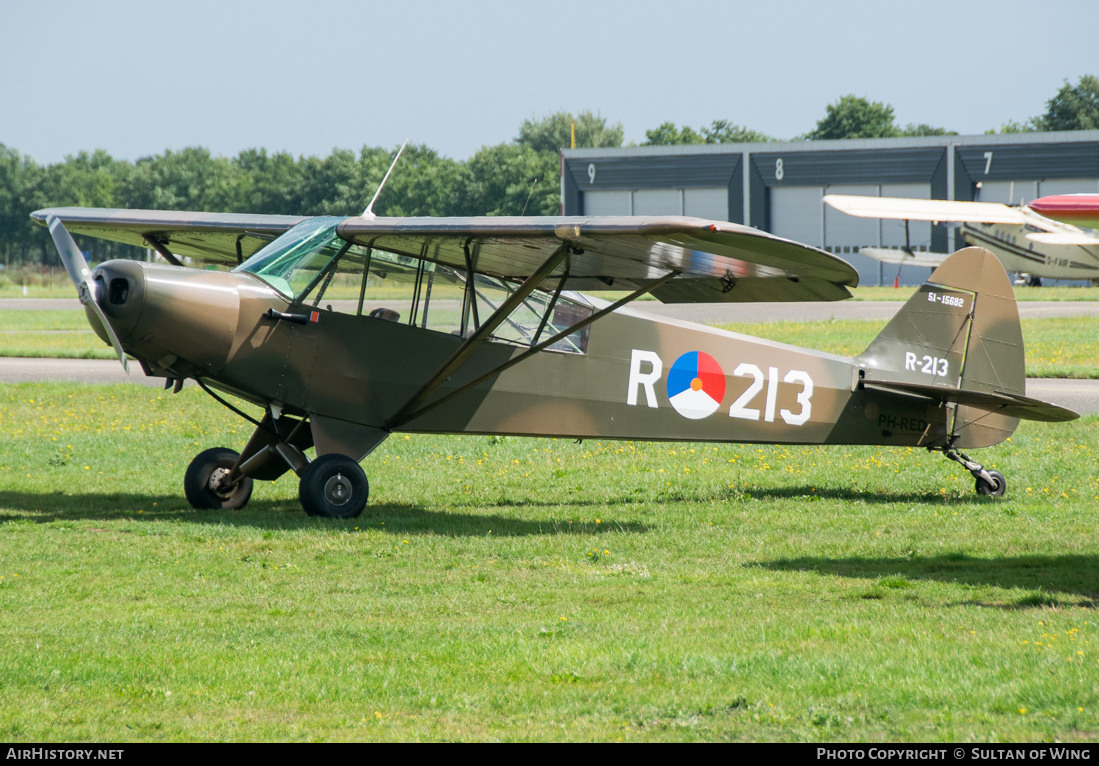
x,y
196,481
984,488
334,486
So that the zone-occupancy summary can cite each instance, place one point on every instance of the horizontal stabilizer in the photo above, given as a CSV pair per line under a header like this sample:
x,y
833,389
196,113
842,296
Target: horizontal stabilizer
x,y
902,209
1012,405
895,257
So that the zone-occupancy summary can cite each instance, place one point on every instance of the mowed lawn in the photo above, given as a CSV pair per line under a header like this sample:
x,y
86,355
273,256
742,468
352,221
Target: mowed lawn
x,y
1055,347
532,589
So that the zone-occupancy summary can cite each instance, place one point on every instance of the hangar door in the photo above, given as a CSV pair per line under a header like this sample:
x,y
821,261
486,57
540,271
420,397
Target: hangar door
x,y
798,213
712,204
1021,192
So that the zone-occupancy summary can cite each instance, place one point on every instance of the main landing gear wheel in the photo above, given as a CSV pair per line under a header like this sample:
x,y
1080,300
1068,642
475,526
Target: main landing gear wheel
x,y
205,482
995,488
333,486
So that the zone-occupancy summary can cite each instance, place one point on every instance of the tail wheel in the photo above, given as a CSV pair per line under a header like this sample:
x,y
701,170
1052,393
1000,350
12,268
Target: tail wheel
x,y
205,482
997,489
333,486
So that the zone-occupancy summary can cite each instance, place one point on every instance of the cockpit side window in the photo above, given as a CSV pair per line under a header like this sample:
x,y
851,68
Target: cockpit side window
x,y
293,262
312,264
398,288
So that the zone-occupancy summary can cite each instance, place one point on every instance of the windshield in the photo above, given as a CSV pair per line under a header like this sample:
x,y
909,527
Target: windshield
x,y
292,262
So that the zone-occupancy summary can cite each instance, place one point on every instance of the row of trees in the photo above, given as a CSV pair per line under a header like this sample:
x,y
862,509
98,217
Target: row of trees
x,y
506,179
513,178
850,117
1073,107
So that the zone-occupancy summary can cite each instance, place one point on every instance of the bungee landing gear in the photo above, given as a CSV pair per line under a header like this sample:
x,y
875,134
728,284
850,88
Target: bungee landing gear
x,y
990,483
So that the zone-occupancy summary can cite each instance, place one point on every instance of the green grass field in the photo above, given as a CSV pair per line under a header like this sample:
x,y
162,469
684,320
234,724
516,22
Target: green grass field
x,y
1055,348
56,284
530,589
1065,347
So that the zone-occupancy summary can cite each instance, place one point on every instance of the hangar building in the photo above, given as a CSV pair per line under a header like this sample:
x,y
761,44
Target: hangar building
x,y
778,187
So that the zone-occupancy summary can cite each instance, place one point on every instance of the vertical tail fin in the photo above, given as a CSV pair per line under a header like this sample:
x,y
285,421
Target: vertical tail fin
x,y
960,332
960,329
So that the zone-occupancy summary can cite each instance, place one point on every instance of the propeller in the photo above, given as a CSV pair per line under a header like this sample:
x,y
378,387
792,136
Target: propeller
x,y
82,278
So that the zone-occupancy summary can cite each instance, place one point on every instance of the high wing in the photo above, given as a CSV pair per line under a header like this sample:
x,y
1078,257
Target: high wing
x,y
211,237
934,210
713,261
716,261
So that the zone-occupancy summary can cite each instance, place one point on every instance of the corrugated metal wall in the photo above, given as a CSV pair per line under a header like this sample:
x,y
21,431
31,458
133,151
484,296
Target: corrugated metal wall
x,y
777,187
699,180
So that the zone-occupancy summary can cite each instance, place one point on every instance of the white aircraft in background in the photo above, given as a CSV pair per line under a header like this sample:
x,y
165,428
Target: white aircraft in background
x,y
1029,244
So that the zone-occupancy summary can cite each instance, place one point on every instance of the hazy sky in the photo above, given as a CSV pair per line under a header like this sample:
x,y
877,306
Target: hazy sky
x,y
136,78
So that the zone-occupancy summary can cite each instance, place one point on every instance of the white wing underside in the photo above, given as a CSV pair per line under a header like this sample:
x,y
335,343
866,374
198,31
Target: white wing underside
x,y
1040,229
934,210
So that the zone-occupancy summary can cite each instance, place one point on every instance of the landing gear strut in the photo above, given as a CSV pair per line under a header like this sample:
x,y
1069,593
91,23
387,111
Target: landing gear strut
x,y
332,485
991,483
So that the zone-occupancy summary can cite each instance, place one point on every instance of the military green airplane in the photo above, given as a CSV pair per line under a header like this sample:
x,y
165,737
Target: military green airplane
x,y
494,334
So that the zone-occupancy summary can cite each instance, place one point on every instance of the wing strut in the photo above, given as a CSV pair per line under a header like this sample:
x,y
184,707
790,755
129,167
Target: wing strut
x,y
549,308
161,248
470,302
395,423
481,334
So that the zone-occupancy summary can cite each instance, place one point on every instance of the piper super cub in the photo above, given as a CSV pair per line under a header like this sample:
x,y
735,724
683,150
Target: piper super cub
x,y
496,339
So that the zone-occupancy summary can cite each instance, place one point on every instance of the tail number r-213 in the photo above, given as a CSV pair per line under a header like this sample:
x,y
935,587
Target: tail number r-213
x,y
741,409
929,365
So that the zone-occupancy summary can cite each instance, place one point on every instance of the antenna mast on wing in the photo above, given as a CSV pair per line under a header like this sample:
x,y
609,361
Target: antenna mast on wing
x,y
369,213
